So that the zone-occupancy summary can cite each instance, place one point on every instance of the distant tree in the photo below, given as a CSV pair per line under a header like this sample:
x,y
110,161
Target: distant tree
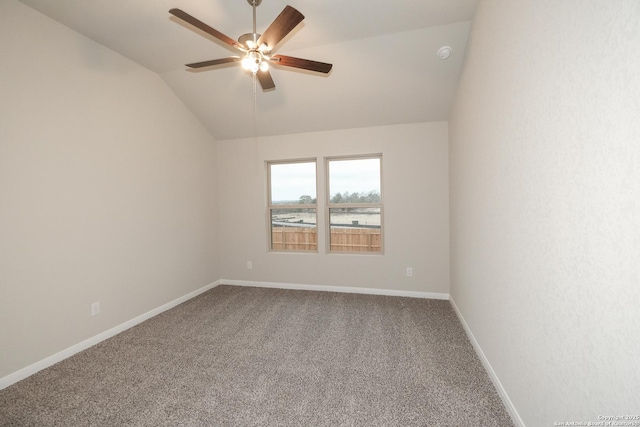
x,y
373,197
337,198
307,200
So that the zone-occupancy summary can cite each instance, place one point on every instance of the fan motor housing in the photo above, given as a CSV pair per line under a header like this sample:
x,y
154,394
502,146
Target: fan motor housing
x,y
249,36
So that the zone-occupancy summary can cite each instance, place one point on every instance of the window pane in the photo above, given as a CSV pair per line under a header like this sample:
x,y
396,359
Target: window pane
x,y
354,181
294,229
293,183
355,229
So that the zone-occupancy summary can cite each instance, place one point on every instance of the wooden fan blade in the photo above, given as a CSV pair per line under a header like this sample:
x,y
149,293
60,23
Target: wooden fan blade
x,y
305,64
264,77
280,27
207,29
214,62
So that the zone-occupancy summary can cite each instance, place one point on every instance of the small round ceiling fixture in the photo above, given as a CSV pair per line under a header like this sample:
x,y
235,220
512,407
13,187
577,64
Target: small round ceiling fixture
x,y
444,52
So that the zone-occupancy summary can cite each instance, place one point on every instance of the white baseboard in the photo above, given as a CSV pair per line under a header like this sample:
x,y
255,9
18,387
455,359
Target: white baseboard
x,y
515,417
348,290
68,352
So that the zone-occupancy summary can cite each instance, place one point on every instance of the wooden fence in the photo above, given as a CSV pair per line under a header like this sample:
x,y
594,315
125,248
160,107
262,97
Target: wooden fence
x,y
356,239
342,239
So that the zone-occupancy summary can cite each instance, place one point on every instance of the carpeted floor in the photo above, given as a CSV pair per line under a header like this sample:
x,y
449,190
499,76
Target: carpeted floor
x,y
240,356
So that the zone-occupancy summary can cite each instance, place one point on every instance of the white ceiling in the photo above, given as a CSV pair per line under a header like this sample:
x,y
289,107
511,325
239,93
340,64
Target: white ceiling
x,y
385,67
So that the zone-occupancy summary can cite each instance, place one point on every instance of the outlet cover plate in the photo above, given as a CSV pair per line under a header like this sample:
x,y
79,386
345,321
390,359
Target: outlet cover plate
x,y
95,308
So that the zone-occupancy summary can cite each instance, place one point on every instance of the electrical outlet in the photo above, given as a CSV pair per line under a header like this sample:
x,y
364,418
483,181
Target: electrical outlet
x,y
249,265
409,271
95,308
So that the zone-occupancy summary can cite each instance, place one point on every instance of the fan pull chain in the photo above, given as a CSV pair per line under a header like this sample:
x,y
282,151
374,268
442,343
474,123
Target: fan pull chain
x,y
255,105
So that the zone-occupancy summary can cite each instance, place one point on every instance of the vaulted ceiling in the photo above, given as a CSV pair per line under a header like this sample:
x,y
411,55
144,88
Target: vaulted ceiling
x,y
384,54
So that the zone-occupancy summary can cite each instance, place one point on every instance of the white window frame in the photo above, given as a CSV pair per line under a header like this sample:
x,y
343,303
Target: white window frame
x,y
271,206
328,205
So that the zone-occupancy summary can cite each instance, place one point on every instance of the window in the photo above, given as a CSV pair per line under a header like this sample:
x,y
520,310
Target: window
x,y
354,208
293,209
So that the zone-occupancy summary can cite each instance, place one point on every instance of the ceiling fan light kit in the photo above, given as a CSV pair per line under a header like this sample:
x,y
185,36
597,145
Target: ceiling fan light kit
x,y
256,48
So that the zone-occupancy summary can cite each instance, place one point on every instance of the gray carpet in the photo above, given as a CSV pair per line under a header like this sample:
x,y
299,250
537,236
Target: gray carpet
x,y
239,356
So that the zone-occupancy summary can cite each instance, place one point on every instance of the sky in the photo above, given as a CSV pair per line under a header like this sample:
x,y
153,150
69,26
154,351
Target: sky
x,y
289,181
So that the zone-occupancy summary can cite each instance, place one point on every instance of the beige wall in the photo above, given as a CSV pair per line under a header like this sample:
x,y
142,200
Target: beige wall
x,y
545,204
107,190
415,159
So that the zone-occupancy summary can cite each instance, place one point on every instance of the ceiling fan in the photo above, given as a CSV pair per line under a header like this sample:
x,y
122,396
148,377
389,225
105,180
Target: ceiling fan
x,y
256,48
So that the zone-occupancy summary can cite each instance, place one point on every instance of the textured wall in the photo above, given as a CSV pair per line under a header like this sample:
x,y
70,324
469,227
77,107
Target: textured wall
x,y
416,211
107,190
545,203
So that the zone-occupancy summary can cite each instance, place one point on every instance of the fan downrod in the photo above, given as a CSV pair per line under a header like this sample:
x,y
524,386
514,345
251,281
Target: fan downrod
x,y
251,37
